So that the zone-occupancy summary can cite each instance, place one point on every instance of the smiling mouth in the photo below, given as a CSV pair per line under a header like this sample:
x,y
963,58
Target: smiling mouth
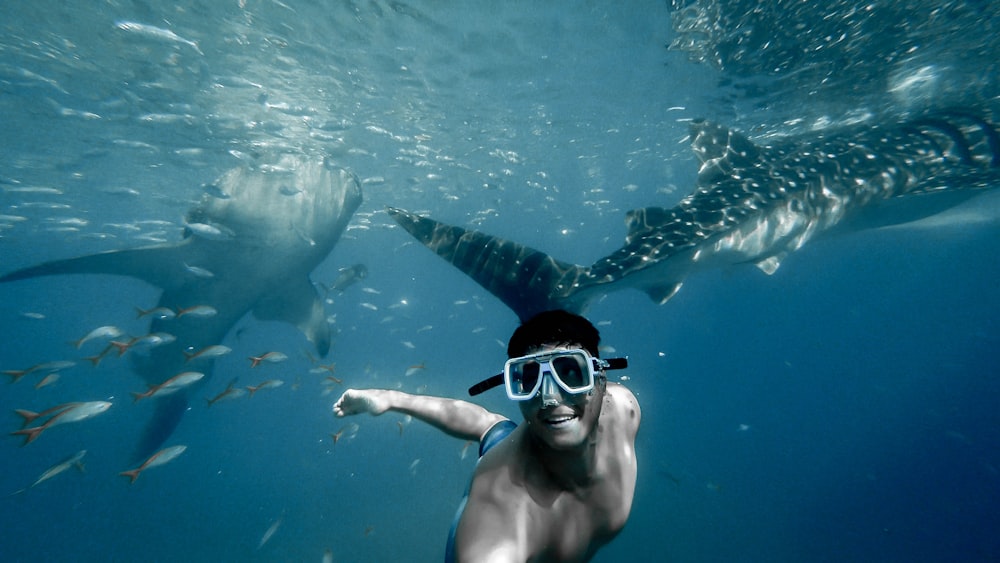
x,y
558,421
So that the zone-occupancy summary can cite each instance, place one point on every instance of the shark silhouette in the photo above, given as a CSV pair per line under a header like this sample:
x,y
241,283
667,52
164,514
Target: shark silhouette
x,y
752,204
248,247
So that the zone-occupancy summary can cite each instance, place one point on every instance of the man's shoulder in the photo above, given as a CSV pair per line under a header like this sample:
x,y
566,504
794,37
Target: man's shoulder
x,y
625,405
622,396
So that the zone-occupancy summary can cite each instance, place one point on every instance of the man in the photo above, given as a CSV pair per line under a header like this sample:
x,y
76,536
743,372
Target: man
x,y
559,486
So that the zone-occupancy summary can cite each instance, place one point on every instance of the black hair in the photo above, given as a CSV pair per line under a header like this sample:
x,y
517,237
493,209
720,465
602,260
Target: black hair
x,y
553,327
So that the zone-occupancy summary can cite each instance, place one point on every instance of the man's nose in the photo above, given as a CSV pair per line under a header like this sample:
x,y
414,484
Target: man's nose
x,y
550,389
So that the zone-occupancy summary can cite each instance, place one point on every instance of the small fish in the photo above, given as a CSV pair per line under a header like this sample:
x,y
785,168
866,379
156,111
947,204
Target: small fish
x,y
65,413
47,380
269,357
159,313
269,384
30,416
152,340
208,232
328,384
349,276
171,385
208,352
327,555
50,367
199,272
270,532
231,392
199,311
44,367
323,368
159,458
99,332
157,33
370,306
409,345
414,369
75,460
347,432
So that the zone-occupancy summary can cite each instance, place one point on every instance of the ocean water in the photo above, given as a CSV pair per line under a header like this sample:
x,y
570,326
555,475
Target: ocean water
x,y
842,409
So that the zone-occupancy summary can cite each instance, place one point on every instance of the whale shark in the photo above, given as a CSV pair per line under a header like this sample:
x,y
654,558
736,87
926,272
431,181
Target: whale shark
x,y
751,204
248,246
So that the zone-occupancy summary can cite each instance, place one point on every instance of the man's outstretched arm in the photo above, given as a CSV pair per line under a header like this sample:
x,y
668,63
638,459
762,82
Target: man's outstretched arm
x,y
460,419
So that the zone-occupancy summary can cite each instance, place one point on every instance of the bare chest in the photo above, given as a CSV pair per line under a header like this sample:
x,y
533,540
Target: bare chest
x,y
558,525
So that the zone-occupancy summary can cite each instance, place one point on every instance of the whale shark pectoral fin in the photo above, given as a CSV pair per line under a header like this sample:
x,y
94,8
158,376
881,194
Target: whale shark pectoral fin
x,y
526,280
161,265
299,305
770,264
660,294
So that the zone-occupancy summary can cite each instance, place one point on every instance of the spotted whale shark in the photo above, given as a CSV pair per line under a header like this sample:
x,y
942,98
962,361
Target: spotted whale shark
x,y
249,246
751,204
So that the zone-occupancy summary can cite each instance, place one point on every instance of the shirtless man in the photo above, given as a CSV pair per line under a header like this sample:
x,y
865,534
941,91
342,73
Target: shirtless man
x,y
557,487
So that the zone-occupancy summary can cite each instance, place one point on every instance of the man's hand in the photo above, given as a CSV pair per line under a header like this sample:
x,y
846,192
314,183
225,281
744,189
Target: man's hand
x,y
358,401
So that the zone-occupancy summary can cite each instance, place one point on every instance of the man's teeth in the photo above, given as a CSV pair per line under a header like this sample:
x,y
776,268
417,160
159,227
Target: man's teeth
x,y
558,419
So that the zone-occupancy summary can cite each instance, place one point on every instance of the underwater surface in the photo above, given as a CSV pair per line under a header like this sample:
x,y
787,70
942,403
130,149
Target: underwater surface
x,y
842,409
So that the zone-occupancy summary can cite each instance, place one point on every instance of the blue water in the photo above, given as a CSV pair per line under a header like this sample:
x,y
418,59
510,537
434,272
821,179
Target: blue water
x,y
843,409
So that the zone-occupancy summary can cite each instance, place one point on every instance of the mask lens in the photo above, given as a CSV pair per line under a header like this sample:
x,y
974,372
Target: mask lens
x,y
571,370
525,376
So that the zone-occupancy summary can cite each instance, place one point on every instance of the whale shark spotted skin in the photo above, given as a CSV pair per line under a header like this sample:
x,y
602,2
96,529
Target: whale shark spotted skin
x,y
249,247
751,204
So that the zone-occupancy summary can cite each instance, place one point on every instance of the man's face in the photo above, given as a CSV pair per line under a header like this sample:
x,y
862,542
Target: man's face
x,y
559,419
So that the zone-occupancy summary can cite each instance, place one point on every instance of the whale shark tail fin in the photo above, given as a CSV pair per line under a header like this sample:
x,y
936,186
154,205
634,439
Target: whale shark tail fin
x,y
528,281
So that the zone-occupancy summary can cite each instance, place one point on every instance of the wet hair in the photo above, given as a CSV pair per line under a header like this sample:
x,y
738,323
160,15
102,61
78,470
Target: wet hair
x,y
553,327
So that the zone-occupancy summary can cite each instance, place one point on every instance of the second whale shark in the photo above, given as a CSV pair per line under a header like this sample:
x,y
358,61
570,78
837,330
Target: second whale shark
x,y
752,204
249,247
